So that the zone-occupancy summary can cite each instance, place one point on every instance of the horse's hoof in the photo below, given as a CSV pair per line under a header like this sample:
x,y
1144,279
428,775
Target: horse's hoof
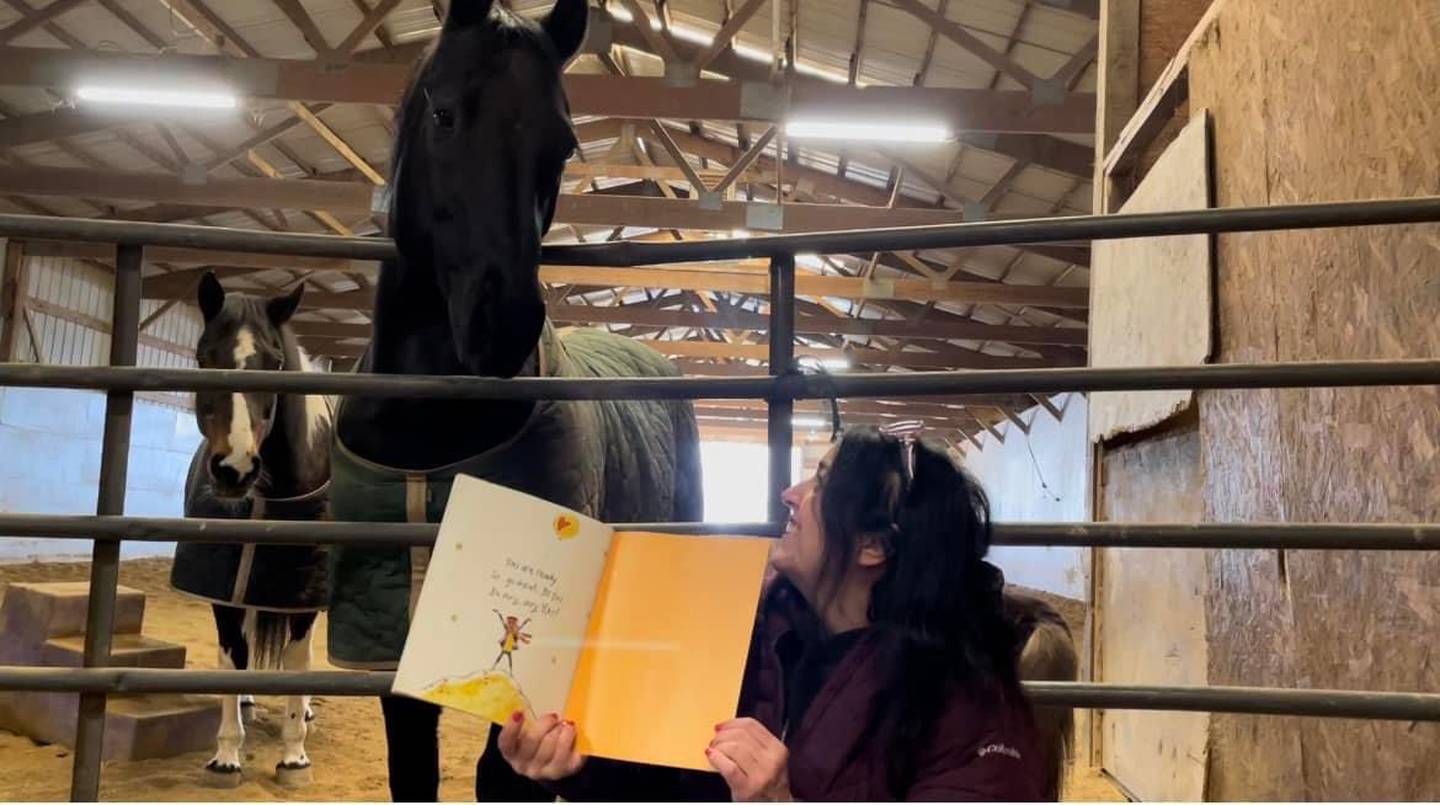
x,y
293,775
221,775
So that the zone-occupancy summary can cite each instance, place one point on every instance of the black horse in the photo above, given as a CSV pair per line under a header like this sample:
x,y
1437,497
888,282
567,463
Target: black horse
x,y
484,134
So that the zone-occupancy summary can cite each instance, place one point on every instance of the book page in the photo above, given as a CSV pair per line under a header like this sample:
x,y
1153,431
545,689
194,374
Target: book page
x,y
505,604
666,651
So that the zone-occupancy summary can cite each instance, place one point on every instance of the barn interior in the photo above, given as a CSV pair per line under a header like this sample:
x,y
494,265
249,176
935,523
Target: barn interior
x,y
726,119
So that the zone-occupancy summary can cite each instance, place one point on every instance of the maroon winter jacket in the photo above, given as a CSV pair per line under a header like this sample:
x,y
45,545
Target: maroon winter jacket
x,y
983,748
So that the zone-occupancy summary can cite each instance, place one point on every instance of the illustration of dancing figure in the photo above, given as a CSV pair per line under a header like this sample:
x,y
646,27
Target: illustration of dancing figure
x,y
511,640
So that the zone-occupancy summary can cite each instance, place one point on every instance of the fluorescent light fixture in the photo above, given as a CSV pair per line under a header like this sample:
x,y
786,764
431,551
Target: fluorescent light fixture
x,y
886,132
811,422
739,233
835,363
157,97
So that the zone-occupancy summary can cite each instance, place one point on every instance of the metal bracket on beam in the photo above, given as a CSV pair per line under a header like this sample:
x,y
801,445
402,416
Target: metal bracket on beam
x,y
681,74
712,201
193,174
768,217
380,199
599,32
760,100
1049,92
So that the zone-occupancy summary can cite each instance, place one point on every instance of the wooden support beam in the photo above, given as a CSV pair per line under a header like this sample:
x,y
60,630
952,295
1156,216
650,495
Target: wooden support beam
x,y
1047,152
951,358
177,255
36,19
677,156
757,285
820,325
355,198
738,321
371,21
959,35
55,124
12,294
656,38
301,19
1117,84
358,81
1044,402
1015,418
741,69
726,35
337,142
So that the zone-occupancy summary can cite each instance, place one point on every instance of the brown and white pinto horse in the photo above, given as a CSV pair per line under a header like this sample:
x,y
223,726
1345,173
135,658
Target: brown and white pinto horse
x,y
264,456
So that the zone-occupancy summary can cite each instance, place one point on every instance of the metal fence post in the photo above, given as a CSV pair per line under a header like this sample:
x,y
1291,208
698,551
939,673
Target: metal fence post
x,y
105,561
780,423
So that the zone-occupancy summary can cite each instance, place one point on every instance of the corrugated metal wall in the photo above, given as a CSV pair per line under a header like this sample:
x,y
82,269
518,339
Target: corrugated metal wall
x,y
67,304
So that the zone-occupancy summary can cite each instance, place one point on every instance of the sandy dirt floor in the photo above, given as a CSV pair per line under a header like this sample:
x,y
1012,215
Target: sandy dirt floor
x,y
346,743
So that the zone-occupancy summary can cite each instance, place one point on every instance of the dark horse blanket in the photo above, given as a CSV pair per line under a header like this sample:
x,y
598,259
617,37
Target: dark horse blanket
x,y
278,578
618,461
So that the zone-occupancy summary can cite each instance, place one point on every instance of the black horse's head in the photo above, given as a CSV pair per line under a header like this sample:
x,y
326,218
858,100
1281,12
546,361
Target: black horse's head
x,y
484,135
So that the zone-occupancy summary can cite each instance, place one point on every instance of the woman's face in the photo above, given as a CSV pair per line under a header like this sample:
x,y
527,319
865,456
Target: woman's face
x,y
800,550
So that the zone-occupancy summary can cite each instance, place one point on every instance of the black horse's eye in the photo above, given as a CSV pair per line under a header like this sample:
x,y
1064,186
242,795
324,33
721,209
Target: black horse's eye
x,y
444,118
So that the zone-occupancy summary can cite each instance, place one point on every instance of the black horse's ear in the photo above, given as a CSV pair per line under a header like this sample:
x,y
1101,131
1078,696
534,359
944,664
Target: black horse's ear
x,y
464,13
211,296
281,308
565,25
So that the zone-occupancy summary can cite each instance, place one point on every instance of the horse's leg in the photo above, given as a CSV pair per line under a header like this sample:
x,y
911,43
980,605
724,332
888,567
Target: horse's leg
x,y
247,708
412,738
223,770
294,767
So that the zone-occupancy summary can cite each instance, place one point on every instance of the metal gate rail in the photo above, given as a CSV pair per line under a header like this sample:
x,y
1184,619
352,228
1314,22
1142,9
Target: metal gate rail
x,y
781,388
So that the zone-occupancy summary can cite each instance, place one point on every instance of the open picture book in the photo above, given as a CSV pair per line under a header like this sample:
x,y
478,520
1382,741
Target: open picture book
x,y
639,638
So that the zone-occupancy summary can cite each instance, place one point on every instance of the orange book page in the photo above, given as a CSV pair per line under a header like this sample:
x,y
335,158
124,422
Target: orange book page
x,y
666,648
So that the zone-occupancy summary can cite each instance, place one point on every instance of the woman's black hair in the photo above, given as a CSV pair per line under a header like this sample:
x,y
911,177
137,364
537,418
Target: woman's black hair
x,y
937,607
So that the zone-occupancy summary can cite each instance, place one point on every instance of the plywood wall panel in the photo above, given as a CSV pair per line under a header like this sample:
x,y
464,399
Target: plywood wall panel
x,y
1151,615
1319,101
1150,298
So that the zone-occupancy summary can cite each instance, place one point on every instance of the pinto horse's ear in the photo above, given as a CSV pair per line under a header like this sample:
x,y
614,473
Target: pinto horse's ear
x,y
281,308
464,13
211,296
565,25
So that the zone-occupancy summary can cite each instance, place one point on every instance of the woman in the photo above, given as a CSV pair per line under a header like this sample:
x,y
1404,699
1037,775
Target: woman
x,y
882,665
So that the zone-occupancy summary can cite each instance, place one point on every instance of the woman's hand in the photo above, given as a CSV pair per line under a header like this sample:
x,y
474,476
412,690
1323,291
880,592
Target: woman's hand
x,y
543,749
753,762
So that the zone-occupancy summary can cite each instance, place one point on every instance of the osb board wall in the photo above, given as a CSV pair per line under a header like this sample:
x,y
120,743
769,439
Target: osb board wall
x,y
1151,615
1319,101
1150,298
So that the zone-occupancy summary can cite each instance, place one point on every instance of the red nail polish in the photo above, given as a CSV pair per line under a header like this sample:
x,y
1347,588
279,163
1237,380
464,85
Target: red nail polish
x,y
518,717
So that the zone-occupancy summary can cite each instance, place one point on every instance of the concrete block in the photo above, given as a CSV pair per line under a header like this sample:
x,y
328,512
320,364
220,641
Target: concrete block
x,y
32,613
43,624
126,651
136,727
